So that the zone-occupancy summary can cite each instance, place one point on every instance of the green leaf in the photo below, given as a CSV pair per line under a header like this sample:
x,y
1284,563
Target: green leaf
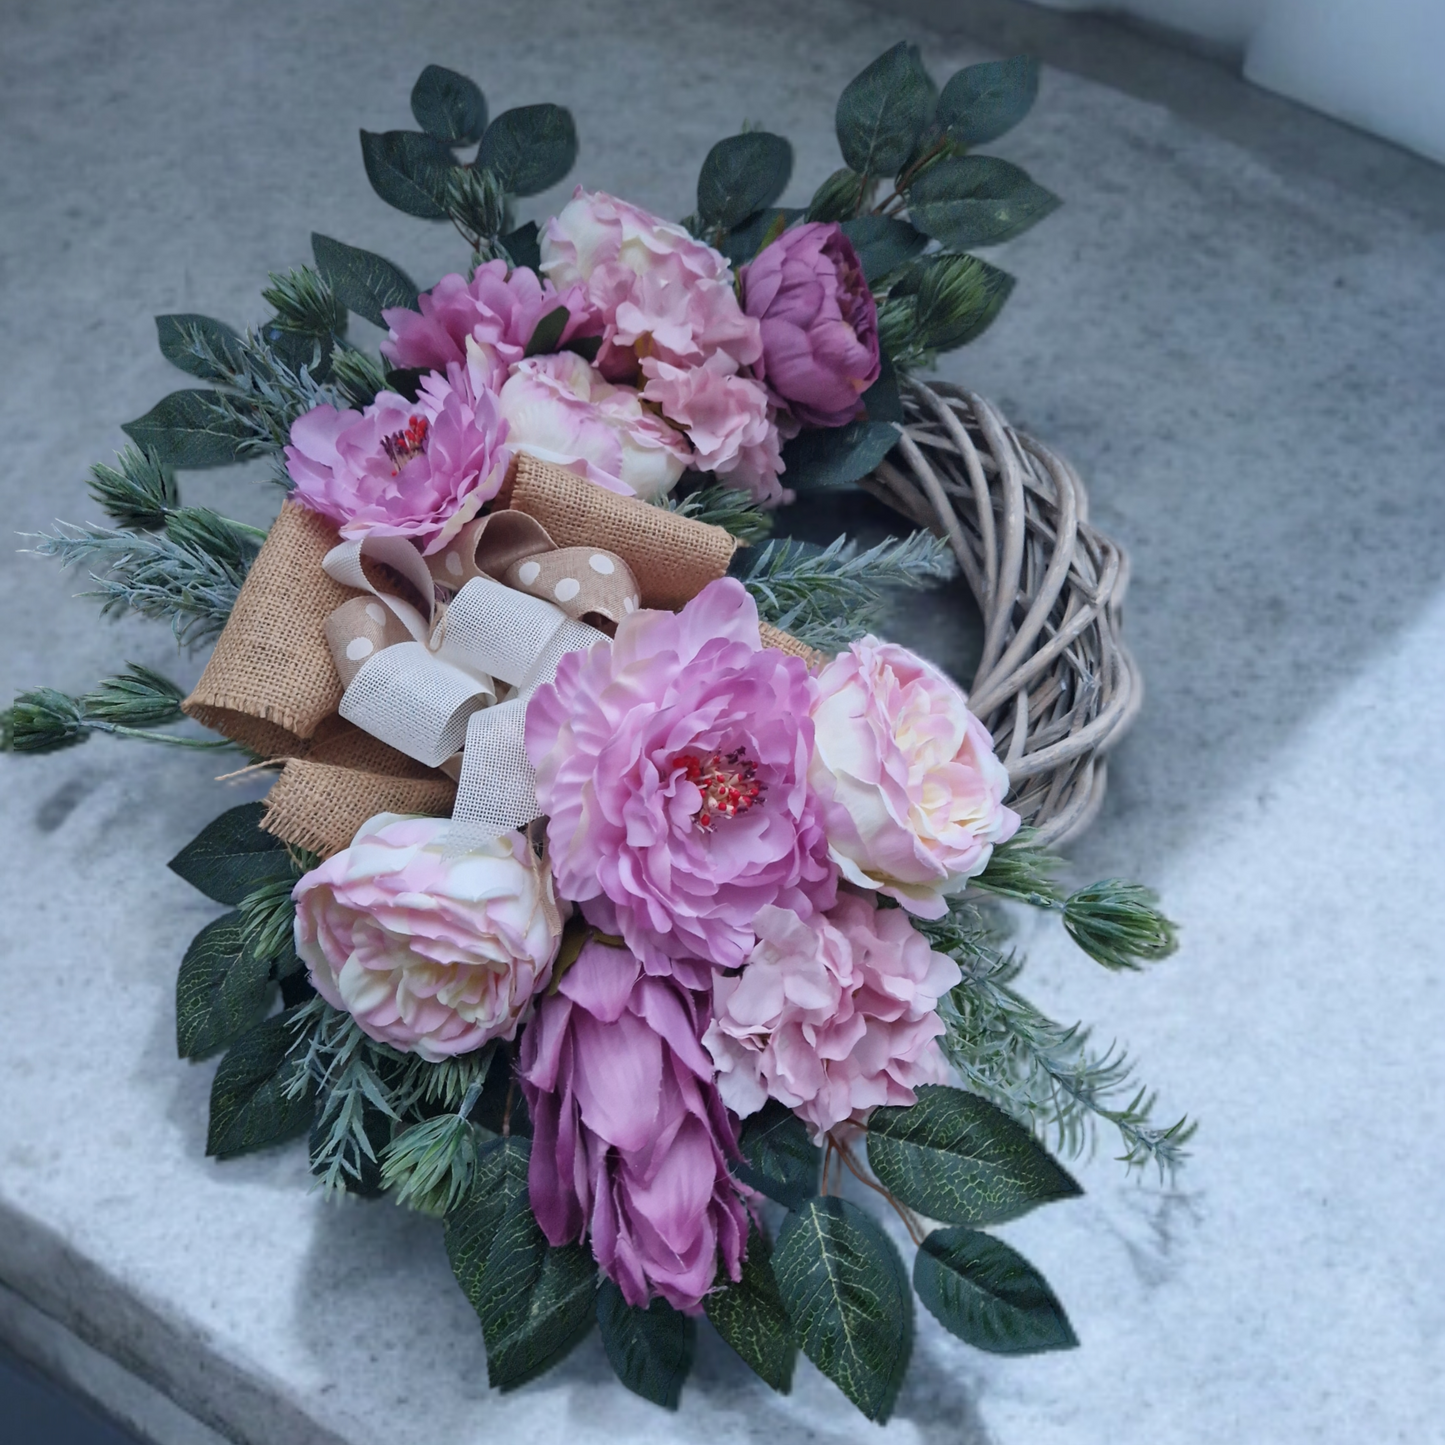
x,y
408,170
534,1302
883,112
174,334
529,148
778,1157
361,280
744,242
548,332
981,102
882,398
250,1107
750,1316
188,429
954,1156
989,1295
977,201
741,175
651,1350
449,106
523,246
839,197
883,243
222,988
231,855
833,457
846,1291
951,300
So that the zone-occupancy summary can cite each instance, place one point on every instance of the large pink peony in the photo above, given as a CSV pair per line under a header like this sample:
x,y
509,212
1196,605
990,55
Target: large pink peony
x,y
560,409
404,468
429,951
631,1142
819,323
672,764
912,792
496,310
832,1016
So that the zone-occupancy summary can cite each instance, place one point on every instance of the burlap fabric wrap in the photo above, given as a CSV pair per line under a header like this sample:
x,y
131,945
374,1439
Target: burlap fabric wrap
x,y
272,686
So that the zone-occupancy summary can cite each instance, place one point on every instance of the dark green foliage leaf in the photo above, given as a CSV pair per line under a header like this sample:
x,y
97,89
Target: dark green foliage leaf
x,y
882,399
249,1104
743,243
231,856
548,332
977,201
408,170
741,175
361,280
406,381
1020,869
221,991
138,493
981,102
940,302
523,246
883,111
954,1156
846,1291
989,1295
188,429
750,1316
534,1302
650,1350
175,332
295,349
449,106
586,347
529,148
839,197
831,457
136,698
883,243
778,1157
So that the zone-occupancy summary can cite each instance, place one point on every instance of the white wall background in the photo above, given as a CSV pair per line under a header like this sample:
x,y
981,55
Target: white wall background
x,y
1374,63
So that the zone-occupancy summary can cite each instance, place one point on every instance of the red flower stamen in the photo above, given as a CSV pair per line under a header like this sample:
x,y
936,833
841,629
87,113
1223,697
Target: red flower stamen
x,y
726,781
402,446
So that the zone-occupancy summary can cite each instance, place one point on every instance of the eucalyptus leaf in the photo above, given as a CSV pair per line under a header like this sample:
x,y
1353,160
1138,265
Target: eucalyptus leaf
x,y
882,399
989,1295
778,1157
846,1292
408,169
981,102
977,201
839,197
175,332
361,280
883,111
749,1314
523,246
222,988
832,457
251,1106
189,429
883,243
741,175
650,1350
548,332
231,856
744,242
529,148
956,1157
449,106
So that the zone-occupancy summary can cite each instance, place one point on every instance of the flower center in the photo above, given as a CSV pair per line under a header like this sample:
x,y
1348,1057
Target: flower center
x,y
726,782
402,446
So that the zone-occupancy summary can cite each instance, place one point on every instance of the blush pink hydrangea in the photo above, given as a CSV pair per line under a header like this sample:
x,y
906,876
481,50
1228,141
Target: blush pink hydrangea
x,y
912,792
672,764
419,469
432,952
832,1015
631,1141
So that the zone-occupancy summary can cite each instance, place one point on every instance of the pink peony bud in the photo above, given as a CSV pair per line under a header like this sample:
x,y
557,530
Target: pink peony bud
x,y
819,323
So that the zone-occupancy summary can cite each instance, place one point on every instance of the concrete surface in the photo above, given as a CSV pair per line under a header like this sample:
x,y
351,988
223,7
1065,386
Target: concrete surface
x,y
1244,356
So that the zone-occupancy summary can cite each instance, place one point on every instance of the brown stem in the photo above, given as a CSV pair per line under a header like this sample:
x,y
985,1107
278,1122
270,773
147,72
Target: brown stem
x,y
910,1223
906,179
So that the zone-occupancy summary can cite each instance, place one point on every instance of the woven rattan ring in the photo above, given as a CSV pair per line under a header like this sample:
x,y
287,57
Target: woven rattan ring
x,y
1055,684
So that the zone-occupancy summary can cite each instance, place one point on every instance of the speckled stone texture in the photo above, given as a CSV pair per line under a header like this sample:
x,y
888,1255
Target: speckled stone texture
x,y
1246,364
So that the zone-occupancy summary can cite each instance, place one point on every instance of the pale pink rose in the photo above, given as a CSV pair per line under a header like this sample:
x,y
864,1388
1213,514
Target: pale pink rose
x,y
911,790
430,951
559,409
832,1015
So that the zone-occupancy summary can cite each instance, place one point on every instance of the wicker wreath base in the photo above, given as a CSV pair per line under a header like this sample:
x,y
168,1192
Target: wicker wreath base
x,y
1055,684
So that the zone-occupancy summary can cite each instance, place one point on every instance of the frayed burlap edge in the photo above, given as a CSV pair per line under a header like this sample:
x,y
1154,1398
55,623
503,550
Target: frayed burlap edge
x,y
320,806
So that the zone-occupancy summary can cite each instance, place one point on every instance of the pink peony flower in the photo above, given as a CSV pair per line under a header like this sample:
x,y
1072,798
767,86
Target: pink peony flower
x,y
417,469
497,310
431,952
819,323
831,1016
912,791
561,409
631,1142
672,763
